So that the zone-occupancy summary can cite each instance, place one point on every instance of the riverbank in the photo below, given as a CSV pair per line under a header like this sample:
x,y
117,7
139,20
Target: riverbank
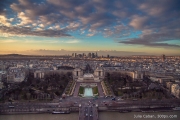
x,y
144,110
102,116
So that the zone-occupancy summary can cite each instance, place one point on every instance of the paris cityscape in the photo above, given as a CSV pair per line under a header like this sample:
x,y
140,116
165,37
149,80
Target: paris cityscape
x,y
50,84
89,60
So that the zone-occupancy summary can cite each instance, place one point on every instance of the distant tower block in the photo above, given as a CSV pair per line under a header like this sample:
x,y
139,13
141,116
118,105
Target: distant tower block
x,y
96,54
163,57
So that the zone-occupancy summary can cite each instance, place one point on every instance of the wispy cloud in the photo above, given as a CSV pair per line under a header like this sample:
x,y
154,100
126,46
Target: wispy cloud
x,y
156,39
43,41
72,41
8,41
16,31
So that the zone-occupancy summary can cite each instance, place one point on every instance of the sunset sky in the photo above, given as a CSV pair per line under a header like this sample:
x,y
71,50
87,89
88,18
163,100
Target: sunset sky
x,y
54,26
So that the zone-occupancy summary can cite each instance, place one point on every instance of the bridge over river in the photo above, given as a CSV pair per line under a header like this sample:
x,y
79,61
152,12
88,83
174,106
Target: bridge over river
x,y
88,113
87,108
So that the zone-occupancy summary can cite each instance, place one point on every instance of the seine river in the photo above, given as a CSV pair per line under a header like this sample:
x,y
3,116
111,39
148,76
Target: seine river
x,y
102,116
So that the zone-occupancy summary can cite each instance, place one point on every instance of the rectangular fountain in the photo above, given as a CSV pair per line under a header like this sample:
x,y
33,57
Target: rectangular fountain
x,y
88,92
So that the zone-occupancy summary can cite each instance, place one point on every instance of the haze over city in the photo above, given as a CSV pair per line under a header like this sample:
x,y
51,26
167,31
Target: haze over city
x,y
61,27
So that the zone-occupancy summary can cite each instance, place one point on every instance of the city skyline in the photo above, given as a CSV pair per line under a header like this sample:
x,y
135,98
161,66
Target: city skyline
x,y
117,28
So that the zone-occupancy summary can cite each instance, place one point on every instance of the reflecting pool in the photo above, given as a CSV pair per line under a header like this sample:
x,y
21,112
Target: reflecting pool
x,y
88,92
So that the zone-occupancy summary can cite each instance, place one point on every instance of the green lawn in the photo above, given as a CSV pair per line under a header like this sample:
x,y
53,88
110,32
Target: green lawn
x,y
95,90
120,93
81,90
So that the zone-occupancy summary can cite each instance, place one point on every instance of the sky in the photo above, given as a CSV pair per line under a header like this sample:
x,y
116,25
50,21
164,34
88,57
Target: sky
x,y
117,27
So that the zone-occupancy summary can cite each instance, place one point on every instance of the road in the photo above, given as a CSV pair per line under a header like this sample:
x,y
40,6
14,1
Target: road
x,y
88,111
72,103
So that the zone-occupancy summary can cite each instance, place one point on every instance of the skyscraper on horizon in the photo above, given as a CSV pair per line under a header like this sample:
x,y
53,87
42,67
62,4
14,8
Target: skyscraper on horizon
x,y
96,54
163,57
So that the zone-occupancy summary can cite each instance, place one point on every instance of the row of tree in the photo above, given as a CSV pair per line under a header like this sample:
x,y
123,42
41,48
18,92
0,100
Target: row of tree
x,y
35,88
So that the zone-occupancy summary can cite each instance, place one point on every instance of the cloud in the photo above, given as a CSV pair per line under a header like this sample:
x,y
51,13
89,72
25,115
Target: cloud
x,y
41,25
3,6
113,19
158,39
24,19
24,40
73,26
8,41
97,18
4,21
149,44
16,31
159,8
139,22
11,19
72,41
90,34
39,41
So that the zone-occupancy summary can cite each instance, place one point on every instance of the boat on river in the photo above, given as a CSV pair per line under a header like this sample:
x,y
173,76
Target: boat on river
x,y
60,112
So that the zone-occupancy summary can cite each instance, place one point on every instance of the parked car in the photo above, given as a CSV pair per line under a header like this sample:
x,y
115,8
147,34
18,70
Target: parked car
x,y
113,98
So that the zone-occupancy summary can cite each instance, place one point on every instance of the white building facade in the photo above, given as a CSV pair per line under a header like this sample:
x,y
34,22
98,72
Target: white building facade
x,y
175,90
39,74
15,74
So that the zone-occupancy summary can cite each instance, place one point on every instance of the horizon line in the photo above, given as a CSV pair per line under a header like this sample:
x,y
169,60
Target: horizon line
x,y
71,55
